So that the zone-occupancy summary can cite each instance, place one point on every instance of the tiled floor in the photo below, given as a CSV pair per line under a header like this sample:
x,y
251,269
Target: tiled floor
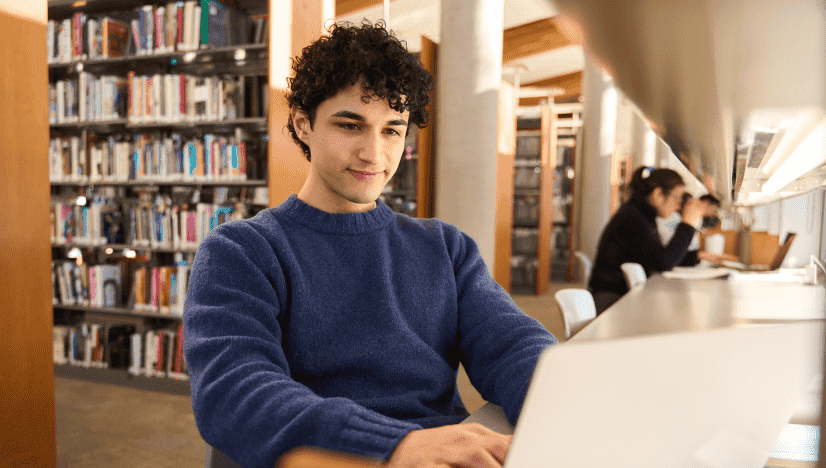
x,y
101,425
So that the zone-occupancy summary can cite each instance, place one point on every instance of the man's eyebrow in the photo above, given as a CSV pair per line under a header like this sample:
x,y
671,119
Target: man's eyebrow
x,y
354,116
399,122
349,115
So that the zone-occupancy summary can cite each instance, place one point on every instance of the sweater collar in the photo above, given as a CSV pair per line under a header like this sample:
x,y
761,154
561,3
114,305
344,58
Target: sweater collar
x,y
642,204
335,223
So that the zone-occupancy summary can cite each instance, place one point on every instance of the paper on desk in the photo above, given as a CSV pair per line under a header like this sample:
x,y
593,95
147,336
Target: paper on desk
x,y
697,272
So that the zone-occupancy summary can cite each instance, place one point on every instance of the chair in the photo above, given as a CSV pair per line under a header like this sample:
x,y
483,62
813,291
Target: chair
x,y
216,459
634,274
585,267
577,307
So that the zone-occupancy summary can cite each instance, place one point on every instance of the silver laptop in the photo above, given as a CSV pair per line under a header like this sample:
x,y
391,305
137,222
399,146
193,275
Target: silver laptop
x,y
708,399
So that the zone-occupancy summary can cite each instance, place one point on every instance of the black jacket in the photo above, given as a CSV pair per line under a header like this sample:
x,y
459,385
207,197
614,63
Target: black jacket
x,y
631,236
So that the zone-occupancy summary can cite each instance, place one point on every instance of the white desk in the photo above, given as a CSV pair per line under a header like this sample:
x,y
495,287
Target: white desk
x,y
663,305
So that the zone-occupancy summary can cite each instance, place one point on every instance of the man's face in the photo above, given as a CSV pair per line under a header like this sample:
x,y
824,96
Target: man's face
x,y
710,209
355,149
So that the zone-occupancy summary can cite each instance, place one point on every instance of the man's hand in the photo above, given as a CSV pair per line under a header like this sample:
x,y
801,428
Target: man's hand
x,y
459,445
715,258
693,211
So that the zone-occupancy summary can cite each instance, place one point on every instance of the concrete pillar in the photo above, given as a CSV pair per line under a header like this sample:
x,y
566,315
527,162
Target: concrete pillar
x,y
593,195
469,77
644,141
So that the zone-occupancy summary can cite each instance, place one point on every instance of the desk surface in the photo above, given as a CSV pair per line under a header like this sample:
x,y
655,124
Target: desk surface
x,y
664,305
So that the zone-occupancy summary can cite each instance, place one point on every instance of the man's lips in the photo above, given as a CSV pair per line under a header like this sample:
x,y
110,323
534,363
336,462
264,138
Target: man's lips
x,y
364,175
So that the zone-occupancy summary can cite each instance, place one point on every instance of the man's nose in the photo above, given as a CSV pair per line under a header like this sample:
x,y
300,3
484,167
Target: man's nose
x,y
371,148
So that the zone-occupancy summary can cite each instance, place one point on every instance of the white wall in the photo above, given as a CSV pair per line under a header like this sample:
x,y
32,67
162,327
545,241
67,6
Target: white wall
x,y
802,215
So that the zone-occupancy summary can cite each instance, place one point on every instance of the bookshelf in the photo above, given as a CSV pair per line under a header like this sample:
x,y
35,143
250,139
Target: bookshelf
x,y
543,197
155,139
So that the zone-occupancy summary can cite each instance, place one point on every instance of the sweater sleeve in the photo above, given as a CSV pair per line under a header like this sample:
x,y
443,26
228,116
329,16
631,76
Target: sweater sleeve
x,y
691,259
499,344
244,400
643,243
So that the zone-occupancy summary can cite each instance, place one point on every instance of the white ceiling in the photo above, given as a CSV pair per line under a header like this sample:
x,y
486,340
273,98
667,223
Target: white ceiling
x,y
410,19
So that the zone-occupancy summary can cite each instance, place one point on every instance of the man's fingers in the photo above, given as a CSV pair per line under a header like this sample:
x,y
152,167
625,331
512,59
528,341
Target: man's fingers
x,y
499,450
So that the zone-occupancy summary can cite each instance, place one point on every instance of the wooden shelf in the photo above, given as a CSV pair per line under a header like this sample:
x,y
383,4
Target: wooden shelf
x,y
123,378
94,124
117,311
64,8
201,56
186,183
125,246
252,123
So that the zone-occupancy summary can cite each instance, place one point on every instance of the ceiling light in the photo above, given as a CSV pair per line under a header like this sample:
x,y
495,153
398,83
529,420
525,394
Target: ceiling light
x,y
808,155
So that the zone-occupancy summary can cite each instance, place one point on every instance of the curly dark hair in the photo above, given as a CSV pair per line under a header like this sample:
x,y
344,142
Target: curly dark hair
x,y
368,53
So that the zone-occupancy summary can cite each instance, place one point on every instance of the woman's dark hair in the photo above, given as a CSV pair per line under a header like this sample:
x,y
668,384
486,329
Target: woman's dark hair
x,y
709,198
645,179
349,54
686,197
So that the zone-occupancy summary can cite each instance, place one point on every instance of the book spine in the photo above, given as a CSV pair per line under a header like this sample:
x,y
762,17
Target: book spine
x,y
136,36
160,33
50,38
196,29
179,28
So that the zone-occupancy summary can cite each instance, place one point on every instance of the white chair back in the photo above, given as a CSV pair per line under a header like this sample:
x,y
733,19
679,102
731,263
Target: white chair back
x,y
634,274
584,267
577,307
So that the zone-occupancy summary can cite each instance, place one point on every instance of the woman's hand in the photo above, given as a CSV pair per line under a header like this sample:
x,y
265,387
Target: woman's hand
x,y
715,258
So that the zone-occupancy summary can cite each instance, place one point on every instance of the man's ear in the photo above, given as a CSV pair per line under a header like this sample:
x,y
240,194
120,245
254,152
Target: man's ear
x,y
301,123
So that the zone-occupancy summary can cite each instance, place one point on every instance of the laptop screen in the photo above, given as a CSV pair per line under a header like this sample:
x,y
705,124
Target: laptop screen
x,y
782,251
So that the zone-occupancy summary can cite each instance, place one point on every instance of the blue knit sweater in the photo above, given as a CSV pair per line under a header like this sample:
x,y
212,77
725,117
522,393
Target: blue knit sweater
x,y
345,331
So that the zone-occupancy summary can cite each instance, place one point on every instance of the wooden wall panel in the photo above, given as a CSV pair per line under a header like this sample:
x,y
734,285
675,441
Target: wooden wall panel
x,y
27,411
570,82
533,38
287,166
505,154
427,139
344,7
546,198
763,247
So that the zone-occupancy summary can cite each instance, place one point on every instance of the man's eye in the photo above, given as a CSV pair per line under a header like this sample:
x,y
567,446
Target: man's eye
x,y
393,132
349,126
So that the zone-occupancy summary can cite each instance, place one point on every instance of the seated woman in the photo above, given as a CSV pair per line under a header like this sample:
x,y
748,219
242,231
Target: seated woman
x,y
631,234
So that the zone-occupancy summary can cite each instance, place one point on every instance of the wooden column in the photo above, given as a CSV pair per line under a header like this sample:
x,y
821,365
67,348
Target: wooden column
x,y
546,198
505,154
27,411
427,139
287,166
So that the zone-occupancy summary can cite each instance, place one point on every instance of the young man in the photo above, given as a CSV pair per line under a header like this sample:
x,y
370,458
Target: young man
x,y
330,321
710,219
